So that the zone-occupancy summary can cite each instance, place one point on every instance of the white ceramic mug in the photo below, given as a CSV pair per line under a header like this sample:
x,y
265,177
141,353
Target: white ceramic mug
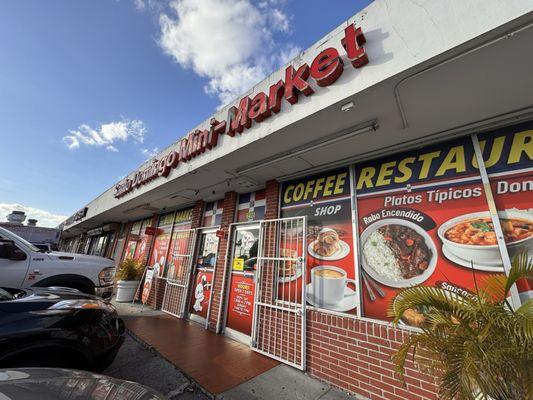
x,y
329,287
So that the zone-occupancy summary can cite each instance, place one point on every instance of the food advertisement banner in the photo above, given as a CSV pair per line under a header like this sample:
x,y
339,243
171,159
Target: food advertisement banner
x,y
161,243
143,242
423,219
508,156
330,277
180,244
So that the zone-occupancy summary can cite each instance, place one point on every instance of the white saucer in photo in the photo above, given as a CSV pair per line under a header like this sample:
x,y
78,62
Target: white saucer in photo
x,y
348,303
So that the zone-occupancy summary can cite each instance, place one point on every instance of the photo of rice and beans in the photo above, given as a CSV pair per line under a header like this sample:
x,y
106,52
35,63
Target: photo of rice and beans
x,y
397,252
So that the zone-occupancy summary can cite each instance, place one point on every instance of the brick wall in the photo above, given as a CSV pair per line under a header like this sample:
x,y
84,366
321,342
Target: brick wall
x,y
228,217
272,199
355,355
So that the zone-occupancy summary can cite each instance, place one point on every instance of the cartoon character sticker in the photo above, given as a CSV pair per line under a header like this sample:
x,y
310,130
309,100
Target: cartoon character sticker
x,y
201,293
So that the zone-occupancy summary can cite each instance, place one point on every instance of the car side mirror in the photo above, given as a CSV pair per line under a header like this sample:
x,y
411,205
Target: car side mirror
x,y
17,255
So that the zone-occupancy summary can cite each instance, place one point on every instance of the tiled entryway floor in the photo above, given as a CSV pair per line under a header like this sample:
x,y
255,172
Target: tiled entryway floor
x,y
213,361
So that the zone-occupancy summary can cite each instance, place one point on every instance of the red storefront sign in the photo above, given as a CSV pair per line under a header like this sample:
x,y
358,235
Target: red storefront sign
x,y
150,231
325,69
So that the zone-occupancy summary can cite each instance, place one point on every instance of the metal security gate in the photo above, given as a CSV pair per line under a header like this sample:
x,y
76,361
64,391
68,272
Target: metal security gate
x,y
278,328
182,246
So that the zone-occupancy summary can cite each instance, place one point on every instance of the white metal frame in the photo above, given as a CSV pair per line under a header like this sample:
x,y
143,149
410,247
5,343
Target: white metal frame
x,y
192,316
185,277
262,326
226,283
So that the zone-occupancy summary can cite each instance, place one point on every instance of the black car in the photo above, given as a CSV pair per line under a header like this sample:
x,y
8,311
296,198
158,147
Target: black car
x,y
55,383
57,327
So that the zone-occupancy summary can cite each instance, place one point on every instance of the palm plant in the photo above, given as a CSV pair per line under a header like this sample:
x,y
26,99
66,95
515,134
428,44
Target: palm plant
x,y
479,346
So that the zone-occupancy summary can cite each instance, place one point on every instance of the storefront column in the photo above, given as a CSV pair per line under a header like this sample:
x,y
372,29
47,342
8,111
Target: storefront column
x,y
272,199
197,214
228,217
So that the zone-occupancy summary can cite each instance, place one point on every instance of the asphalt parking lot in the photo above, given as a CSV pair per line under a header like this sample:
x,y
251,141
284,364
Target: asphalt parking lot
x,y
136,363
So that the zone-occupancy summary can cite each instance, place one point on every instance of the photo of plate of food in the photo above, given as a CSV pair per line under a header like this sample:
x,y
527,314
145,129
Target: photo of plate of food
x,y
398,253
289,269
470,238
328,246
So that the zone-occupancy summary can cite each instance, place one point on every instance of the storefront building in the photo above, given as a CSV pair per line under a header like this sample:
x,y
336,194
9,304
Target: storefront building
x,y
395,151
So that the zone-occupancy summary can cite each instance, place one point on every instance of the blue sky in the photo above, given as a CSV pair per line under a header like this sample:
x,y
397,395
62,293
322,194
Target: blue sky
x,y
90,88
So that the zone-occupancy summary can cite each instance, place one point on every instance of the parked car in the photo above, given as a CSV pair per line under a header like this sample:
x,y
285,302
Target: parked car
x,y
23,265
57,327
47,247
55,383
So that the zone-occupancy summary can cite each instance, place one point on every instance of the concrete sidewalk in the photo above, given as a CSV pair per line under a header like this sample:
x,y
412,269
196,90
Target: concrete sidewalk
x,y
278,382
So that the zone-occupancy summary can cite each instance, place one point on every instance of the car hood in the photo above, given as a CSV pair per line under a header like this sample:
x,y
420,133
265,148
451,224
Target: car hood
x,y
38,298
81,258
56,383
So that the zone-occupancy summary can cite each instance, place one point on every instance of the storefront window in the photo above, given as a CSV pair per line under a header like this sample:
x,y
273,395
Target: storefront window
x,y
180,243
138,240
325,200
161,243
423,219
251,206
203,273
213,213
242,287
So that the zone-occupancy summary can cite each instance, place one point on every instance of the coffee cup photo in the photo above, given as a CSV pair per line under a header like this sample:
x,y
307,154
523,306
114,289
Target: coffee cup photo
x,y
329,284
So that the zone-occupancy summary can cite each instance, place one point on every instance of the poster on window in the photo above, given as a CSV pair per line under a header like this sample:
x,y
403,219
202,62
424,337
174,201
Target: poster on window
x,y
330,276
161,243
508,155
203,273
180,244
242,285
147,285
423,219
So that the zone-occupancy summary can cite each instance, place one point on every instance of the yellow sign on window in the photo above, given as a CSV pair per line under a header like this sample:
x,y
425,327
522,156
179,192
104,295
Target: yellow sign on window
x,y
238,264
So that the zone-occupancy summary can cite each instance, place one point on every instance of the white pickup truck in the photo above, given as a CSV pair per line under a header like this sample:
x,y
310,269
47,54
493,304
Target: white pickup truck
x,y
24,265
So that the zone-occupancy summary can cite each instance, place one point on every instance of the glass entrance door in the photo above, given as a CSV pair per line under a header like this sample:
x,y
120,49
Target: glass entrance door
x,y
240,300
203,275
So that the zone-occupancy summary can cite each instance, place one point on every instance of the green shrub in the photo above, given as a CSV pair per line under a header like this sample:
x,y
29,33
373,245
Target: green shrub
x,y
129,270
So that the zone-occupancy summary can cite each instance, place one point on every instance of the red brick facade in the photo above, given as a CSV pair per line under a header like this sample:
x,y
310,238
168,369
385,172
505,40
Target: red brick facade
x,y
352,354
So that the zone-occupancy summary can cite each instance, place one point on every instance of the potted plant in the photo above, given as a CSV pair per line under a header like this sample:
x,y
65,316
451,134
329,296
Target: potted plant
x,y
478,345
128,276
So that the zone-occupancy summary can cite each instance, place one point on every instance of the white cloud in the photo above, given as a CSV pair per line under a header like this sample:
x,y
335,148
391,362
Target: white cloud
x,y
229,42
280,20
140,4
106,134
149,153
44,218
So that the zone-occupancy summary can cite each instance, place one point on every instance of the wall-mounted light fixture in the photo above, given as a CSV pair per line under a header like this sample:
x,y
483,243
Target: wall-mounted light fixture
x,y
348,107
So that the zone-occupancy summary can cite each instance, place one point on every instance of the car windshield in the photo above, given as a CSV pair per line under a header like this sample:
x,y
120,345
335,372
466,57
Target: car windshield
x,y
25,242
5,295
